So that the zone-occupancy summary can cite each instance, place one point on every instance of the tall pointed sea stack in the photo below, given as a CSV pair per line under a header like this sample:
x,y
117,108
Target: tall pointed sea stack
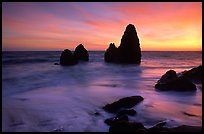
x,y
129,49
128,52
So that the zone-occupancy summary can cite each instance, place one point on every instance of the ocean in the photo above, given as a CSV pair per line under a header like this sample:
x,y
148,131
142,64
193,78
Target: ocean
x,y
40,96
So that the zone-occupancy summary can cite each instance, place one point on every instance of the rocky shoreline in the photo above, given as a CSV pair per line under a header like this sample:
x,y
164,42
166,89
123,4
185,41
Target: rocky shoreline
x,y
169,81
120,122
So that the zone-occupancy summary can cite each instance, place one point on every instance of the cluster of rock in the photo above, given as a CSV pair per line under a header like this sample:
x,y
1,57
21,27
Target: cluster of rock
x,y
128,52
121,123
127,102
121,109
180,82
125,126
170,81
80,53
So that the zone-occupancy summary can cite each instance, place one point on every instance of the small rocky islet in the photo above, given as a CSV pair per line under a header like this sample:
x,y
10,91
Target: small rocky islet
x,y
80,54
129,52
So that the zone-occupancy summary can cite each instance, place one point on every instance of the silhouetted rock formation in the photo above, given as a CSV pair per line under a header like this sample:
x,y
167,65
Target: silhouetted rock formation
x,y
170,81
121,123
126,102
183,128
128,52
195,74
129,49
125,126
168,77
111,53
56,63
81,53
127,112
112,121
67,58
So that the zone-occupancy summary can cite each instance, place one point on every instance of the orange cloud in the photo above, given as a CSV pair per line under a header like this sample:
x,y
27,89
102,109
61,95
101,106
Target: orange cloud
x,y
160,25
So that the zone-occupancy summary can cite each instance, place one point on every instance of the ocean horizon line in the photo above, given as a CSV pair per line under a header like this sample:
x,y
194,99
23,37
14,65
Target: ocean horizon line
x,y
92,51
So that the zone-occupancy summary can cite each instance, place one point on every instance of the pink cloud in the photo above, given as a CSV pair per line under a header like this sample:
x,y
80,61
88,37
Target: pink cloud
x,y
155,23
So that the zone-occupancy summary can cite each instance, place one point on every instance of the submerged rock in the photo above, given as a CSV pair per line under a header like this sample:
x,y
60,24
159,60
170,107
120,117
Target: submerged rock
x,y
81,53
170,81
126,102
189,114
56,63
67,58
128,52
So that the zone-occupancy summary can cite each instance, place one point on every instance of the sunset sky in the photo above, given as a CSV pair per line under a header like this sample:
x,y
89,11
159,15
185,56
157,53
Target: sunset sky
x,y
161,26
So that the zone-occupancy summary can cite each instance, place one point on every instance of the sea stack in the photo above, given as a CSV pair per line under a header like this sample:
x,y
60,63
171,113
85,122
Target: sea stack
x,y
111,53
128,52
81,53
67,58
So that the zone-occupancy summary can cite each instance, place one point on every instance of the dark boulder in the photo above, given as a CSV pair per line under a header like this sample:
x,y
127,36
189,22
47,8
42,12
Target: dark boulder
x,y
168,77
56,63
81,53
127,112
181,128
111,53
170,81
112,121
67,58
195,74
185,128
125,126
128,52
126,102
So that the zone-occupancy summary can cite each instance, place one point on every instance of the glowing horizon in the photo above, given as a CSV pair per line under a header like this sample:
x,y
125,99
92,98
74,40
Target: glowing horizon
x,y
44,26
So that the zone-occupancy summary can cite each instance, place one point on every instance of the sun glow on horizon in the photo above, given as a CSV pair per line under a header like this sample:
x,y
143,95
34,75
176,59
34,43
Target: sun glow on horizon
x,y
161,26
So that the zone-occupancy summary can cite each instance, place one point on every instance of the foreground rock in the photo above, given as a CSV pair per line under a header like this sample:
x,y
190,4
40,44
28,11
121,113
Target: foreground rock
x,y
125,126
170,81
120,123
128,52
81,53
130,112
195,74
113,121
67,58
126,102
183,128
